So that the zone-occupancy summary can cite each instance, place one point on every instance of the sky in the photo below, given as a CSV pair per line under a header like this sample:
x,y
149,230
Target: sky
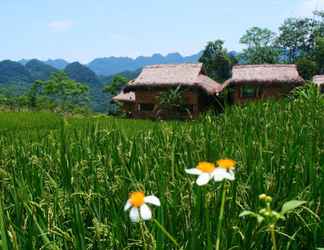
x,y
81,30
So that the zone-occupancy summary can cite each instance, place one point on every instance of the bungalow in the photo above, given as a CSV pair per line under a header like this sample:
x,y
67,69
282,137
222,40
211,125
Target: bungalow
x,y
198,91
319,81
252,82
127,100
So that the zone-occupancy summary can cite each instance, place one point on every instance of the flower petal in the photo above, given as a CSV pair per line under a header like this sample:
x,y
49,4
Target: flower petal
x,y
146,212
220,174
152,199
203,179
127,205
193,171
134,215
231,175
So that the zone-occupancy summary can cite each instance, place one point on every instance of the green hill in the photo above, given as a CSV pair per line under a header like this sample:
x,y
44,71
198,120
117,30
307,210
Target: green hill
x,y
39,70
13,72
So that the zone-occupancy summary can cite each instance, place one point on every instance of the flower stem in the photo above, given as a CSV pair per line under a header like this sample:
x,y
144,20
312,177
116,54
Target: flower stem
x,y
221,215
174,241
273,237
143,235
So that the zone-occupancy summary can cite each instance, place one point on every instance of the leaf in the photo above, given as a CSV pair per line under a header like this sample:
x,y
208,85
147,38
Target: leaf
x,y
247,213
259,218
291,205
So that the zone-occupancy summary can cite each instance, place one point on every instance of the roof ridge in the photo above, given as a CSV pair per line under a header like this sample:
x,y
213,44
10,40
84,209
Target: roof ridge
x,y
265,66
172,65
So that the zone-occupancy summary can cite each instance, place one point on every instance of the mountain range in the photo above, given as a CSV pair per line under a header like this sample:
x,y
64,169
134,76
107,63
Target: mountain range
x,y
107,66
20,75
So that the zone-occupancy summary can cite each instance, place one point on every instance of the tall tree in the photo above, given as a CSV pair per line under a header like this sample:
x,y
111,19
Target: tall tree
x,y
65,92
306,68
297,36
260,46
216,61
319,54
116,85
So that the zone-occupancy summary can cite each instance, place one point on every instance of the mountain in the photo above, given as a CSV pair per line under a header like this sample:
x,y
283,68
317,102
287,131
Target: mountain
x,y
57,63
130,75
39,70
81,73
23,61
112,65
14,72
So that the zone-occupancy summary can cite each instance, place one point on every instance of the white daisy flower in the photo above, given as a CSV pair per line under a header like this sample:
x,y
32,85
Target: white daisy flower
x,y
205,170
224,170
139,209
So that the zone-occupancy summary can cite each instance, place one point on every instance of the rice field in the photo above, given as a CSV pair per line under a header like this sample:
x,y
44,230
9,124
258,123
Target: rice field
x,y
64,181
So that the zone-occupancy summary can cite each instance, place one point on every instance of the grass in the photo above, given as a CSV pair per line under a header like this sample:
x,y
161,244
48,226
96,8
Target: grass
x,y
64,182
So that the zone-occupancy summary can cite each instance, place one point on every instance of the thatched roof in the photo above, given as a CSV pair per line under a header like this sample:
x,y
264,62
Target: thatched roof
x,y
125,97
169,75
318,80
265,74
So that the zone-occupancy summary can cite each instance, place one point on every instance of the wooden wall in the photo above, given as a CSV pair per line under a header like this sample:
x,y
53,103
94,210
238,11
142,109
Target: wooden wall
x,y
264,92
191,97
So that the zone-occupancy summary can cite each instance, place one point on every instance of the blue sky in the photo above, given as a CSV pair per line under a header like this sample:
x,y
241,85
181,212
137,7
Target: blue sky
x,y
85,29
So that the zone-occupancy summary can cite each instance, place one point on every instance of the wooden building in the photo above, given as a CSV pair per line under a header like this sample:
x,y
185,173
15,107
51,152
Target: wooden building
x,y
127,100
253,82
319,81
199,92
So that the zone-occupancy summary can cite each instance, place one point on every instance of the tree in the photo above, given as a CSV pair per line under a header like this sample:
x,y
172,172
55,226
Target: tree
x,y
116,85
306,68
66,93
297,36
260,46
34,93
216,61
257,37
319,54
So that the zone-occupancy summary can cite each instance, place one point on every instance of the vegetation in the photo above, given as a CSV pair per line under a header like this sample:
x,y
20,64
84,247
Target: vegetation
x,y
116,85
260,46
64,183
216,61
172,103
39,70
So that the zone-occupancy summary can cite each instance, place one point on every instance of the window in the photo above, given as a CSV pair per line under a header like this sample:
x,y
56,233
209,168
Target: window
x,y
146,107
248,91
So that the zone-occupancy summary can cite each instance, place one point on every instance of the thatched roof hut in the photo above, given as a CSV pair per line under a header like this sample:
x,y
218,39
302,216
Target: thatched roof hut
x,y
318,80
265,74
173,75
125,97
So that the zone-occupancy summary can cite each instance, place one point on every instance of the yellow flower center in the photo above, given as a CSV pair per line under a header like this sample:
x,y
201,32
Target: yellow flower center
x,y
136,199
206,167
228,164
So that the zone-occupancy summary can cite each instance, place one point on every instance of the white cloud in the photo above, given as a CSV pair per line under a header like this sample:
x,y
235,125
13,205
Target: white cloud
x,y
60,25
306,7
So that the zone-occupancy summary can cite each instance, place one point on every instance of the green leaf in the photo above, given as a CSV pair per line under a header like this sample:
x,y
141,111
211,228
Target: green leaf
x,y
247,213
291,205
259,218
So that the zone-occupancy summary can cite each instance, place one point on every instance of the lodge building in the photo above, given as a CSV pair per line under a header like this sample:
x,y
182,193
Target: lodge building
x,y
198,90
254,82
319,81
140,98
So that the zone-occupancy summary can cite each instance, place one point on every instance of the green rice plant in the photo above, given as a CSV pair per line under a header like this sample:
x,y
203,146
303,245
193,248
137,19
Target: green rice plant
x,y
271,217
64,183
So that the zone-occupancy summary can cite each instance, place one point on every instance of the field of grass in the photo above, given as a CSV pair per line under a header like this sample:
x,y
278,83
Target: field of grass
x,y
64,183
